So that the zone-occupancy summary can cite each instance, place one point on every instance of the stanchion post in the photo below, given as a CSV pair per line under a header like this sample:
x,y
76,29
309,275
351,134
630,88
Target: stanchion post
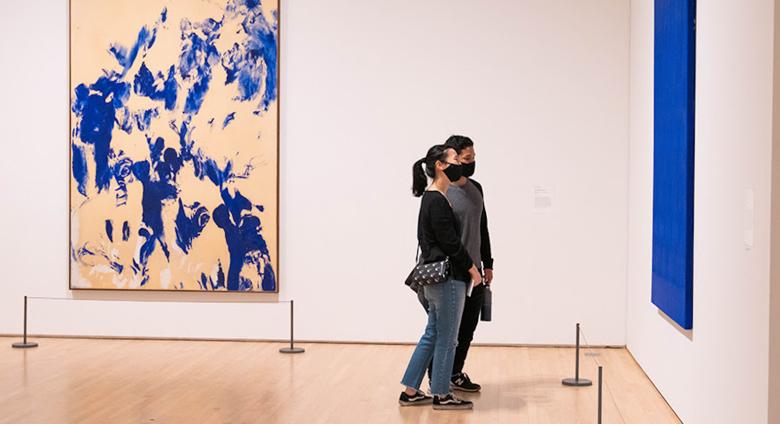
x,y
600,399
25,344
577,381
292,348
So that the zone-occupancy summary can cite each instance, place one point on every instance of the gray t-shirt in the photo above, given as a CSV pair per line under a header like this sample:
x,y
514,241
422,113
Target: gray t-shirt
x,y
467,203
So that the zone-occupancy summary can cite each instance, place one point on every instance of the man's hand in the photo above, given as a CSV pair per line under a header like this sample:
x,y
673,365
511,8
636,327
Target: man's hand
x,y
488,276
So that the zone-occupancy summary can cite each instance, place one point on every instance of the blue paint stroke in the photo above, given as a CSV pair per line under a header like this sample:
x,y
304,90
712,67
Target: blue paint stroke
x,y
197,93
218,176
218,283
79,168
125,231
244,284
124,121
252,65
143,118
95,107
126,56
110,230
157,87
155,148
116,266
186,143
155,193
231,116
121,170
144,41
243,235
147,248
198,55
81,253
169,167
203,166
269,278
190,222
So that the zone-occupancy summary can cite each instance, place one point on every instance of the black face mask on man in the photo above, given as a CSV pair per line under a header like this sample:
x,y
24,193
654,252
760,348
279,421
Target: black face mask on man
x,y
469,168
454,172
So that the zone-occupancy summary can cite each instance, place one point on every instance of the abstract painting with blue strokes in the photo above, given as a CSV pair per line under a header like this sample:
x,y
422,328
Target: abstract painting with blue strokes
x,y
174,145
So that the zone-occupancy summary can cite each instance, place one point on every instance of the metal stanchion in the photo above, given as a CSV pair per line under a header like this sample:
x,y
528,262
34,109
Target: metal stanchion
x,y
600,377
25,344
577,381
292,348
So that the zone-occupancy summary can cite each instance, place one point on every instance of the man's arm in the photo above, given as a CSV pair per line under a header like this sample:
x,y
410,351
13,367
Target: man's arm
x,y
485,249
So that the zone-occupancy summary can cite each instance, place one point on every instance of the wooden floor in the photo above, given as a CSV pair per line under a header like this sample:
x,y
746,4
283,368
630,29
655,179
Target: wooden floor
x,y
124,381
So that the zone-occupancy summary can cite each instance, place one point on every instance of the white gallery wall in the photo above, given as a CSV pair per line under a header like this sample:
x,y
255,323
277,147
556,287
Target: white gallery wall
x,y
542,86
718,372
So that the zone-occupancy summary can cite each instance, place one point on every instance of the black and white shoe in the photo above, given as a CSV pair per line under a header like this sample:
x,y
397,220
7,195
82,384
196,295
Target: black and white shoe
x,y
448,402
416,399
463,383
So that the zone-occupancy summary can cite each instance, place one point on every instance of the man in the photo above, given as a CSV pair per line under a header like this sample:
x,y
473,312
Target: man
x,y
467,199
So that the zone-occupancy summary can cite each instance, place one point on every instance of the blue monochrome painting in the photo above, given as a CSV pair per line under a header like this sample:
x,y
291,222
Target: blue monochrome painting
x,y
174,145
675,67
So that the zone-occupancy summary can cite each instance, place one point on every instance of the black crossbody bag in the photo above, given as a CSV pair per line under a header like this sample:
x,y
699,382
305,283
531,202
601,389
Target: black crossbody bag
x,y
428,274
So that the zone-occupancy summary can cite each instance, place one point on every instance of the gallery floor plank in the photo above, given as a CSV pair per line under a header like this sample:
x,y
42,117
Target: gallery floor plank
x,y
133,381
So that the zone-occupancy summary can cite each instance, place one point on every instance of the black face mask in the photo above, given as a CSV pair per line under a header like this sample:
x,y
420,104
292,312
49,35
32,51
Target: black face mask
x,y
454,172
468,169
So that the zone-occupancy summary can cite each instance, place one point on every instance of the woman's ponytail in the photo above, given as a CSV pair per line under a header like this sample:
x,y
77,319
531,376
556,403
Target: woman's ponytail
x,y
426,167
419,180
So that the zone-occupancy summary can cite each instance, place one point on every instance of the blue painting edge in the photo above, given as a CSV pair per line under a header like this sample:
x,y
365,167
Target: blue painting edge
x,y
672,285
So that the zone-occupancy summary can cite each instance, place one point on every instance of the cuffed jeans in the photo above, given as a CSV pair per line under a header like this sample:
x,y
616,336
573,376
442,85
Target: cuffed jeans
x,y
445,308
468,324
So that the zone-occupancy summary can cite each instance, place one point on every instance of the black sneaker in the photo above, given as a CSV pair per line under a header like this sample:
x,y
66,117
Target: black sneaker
x,y
451,402
416,399
463,383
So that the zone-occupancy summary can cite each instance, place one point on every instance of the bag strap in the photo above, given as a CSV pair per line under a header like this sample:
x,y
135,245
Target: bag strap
x,y
417,258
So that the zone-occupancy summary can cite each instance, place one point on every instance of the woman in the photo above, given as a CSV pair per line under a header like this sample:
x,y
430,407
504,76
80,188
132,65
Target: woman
x,y
439,235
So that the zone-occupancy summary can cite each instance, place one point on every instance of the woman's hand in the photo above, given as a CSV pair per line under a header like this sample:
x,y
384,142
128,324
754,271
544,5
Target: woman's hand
x,y
476,278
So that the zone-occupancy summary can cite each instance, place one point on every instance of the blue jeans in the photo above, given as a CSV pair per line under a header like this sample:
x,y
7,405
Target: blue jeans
x,y
445,308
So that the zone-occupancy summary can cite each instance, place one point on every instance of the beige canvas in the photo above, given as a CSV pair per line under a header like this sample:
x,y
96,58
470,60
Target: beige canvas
x,y
174,145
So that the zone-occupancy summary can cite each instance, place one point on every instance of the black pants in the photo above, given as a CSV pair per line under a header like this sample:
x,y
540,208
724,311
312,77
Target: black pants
x,y
468,324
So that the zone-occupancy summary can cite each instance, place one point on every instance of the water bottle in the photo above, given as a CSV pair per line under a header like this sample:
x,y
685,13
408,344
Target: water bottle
x,y
487,305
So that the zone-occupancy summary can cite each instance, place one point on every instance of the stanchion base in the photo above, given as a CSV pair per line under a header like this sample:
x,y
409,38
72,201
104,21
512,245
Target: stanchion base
x,y
22,345
573,382
292,350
